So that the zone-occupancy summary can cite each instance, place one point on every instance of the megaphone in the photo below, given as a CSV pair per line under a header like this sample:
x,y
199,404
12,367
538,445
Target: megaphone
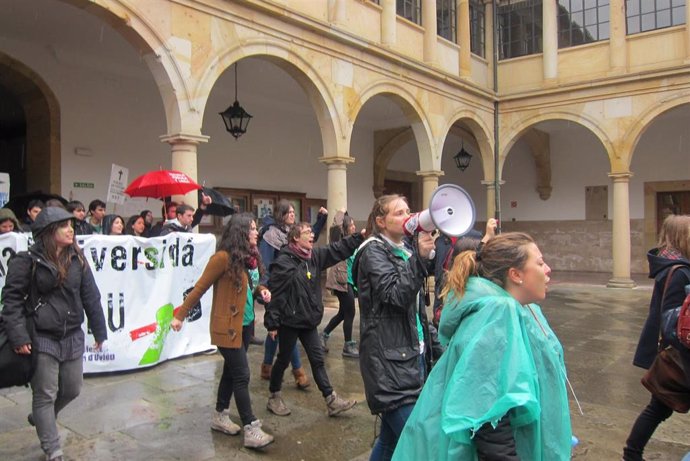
x,y
451,210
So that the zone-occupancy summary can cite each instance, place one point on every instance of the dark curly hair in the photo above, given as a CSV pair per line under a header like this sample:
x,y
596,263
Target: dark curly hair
x,y
235,241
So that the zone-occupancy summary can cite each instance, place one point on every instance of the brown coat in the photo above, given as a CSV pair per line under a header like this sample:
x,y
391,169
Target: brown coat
x,y
229,299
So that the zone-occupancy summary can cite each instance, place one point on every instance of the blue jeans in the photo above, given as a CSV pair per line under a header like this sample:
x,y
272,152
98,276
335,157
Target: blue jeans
x,y
392,423
270,348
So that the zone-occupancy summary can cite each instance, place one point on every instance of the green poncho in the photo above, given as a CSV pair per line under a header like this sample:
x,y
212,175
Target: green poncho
x,y
499,361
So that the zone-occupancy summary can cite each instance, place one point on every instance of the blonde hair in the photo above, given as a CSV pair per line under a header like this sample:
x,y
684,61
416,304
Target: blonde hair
x,y
380,209
675,234
492,262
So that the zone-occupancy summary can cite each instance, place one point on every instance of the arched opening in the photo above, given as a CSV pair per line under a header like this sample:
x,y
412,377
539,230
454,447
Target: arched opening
x,y
556,188
659,188
29,130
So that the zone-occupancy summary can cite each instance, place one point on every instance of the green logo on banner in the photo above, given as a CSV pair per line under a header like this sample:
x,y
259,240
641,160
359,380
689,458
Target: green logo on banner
x,y
164,316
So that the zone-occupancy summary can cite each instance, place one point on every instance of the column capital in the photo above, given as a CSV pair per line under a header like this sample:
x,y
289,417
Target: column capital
x,y
490,183
430,173
336,160
621,177
187,138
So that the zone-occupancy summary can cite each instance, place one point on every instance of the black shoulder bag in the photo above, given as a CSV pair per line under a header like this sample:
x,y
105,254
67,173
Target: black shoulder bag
x,y
17,369
666,378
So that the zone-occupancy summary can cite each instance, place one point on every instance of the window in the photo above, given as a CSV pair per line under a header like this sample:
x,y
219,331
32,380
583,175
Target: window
x,y
477,28
519,28
446,20
644,15
582,21
410,10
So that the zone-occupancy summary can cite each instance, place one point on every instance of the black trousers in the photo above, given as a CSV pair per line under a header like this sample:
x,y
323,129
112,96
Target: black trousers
x,y
645,425
235,380
346,313
287,338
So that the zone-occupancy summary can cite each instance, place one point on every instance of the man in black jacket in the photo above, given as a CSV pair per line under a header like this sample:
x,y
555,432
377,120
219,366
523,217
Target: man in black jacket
x,y
296,309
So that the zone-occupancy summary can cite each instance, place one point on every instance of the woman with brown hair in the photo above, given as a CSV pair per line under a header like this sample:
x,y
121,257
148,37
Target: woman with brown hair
x,y
234,272
673,250
394,335
55,270
499,389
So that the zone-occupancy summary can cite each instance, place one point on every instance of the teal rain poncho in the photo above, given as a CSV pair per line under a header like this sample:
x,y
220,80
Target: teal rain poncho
x,y
500,360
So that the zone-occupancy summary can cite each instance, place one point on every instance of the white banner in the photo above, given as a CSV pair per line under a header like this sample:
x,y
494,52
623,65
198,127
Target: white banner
x,y
141,280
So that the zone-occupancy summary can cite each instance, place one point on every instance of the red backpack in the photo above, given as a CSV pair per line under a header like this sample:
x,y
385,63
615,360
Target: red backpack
x,y
683,326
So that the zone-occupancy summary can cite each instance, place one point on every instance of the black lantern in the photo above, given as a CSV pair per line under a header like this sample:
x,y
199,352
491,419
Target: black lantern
x,y
462,159
235,117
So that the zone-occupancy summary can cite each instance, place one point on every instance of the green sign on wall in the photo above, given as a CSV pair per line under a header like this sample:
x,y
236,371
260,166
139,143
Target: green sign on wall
x,y
83,185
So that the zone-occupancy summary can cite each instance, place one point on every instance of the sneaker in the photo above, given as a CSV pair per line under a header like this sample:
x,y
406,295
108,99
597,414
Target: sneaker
x,y
324,341
255,437
221,422
55,457
337,404
276,405
350,349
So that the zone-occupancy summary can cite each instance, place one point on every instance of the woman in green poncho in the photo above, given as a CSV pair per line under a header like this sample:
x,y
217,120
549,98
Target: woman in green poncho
x,y
499,390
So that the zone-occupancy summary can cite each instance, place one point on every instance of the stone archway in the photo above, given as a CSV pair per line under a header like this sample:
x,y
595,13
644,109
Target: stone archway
x,y
42,113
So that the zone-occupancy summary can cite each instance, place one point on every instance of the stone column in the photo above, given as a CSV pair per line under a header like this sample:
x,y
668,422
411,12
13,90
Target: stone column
x,y
490,198
465,58
489,41
184,159
388,23
430,30
429,184
618,50
687,32
336,11
550,40
337,182
621,232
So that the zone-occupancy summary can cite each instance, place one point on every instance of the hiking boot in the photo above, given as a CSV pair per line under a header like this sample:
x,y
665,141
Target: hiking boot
x,y
301,379
255,437
276,405
266,371
350,349
221,422
324,341
337,405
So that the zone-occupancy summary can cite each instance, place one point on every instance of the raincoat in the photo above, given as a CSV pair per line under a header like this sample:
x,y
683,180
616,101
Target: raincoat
x,y
502,359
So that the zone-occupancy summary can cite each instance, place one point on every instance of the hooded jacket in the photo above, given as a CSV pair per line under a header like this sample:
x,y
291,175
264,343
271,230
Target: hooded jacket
x,y
6,213
659,267
295,284
389,301
502,359
108,221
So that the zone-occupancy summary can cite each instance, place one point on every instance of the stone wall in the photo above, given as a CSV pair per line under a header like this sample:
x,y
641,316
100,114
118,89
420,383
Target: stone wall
x,y
581,245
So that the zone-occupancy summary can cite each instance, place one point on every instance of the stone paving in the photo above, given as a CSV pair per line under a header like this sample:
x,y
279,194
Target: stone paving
x,y
164,413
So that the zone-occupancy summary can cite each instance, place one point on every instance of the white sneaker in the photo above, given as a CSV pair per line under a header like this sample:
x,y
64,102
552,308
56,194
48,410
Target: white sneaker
x,y
255,437
222,423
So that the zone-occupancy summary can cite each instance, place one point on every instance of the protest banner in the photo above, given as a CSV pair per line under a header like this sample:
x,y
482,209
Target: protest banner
x,y
141,280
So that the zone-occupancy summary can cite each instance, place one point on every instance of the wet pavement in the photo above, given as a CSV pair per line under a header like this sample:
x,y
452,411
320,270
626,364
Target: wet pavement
x,y
164,413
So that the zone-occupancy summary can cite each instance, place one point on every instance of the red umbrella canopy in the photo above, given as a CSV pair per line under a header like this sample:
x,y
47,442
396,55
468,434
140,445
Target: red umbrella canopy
x,y
161,183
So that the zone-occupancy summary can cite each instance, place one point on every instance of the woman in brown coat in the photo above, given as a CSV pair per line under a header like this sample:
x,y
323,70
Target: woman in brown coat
x,y
234,273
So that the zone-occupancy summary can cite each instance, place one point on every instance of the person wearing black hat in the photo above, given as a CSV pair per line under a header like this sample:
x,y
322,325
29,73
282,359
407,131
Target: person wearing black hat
x,y
55,270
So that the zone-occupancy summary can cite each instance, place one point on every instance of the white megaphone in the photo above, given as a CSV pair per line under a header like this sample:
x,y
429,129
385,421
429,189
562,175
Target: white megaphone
x,y
451,210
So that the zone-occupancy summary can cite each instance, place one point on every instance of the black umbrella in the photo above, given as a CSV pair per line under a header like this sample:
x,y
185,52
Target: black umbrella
x,y
19,203
220,206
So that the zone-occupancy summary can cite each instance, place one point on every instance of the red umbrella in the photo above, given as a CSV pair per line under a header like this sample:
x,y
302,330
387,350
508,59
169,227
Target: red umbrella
x,y
161,183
